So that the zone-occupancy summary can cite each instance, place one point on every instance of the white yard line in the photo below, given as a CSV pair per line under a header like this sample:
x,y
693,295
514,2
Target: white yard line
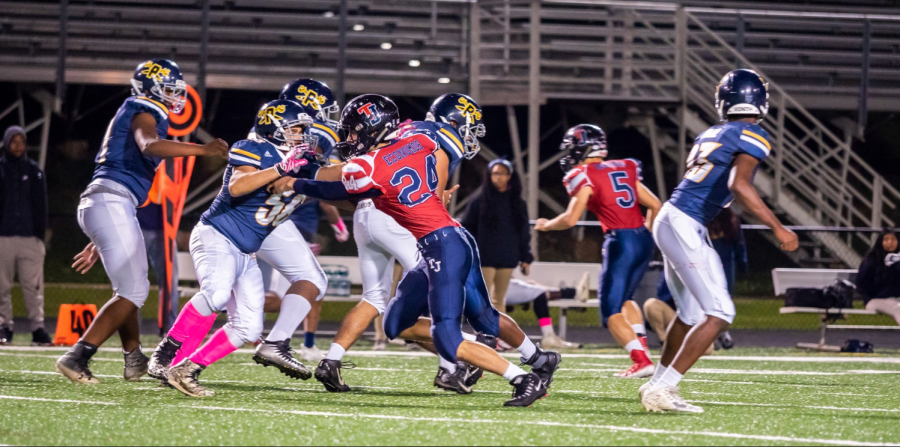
x,y
54,357
808,407
64,401
552,424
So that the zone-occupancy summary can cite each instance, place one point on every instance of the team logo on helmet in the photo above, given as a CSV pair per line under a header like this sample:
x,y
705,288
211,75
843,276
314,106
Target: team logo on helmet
x,y
308,97
269,113
371,116
579,136
468,109
155,71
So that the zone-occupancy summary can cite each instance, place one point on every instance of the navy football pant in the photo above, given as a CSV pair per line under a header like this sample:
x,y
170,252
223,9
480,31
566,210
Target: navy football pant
x,y
448,283
626,256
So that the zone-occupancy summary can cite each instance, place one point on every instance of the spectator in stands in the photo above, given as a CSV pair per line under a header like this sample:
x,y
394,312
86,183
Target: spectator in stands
x,y
728,240
23,226
498,219
878,279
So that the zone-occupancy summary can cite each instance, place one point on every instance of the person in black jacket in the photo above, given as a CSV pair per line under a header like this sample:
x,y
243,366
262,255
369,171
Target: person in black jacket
x,y
498,219
23,224
878,278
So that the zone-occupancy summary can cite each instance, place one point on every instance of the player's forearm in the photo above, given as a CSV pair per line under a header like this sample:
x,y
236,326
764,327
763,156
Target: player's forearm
x,y
329,173
747,197
562,222
332,191
243,183
168,149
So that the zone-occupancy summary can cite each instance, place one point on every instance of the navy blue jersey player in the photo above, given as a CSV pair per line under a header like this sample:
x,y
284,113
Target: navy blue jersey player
x,y
720,169
132,148
224,242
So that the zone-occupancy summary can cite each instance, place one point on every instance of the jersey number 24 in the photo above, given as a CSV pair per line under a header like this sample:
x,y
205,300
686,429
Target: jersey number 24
x,y
412,193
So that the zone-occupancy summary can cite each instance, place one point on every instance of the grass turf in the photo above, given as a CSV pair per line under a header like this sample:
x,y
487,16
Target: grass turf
x,y
755,397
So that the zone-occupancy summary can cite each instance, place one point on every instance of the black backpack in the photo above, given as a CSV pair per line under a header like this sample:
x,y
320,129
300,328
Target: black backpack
x,y
838,295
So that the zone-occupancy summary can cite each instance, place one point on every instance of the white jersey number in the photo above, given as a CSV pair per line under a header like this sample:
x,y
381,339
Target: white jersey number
x,y
279,211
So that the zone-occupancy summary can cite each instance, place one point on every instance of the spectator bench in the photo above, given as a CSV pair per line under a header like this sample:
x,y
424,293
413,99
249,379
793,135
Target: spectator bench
x,y
785,278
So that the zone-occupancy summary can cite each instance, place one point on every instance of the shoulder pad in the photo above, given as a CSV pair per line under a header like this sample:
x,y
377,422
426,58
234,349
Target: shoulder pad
x,y
151,106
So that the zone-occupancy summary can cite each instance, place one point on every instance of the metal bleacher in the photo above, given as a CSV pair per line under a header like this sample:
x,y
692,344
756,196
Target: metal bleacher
x,y
658,57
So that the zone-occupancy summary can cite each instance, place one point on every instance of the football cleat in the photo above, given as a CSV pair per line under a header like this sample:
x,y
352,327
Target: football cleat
x,y
136,365
527,389
455,381
162,358
329,373
544,364
74,366
473,373
40,337
643,389
641,367
667,399
583,291
725,340
312,354
380,345
554,341
185,377
280,355
643,339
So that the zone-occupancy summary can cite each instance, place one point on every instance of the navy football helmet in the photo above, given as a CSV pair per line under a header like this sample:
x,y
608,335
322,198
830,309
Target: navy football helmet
x,y
582,142
316,97
742,92
161,80
464,114
285,124
365,122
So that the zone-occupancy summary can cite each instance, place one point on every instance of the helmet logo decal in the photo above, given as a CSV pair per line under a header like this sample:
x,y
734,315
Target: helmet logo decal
x,y
155,71
309,97
372,117
579,136
269,113
468,109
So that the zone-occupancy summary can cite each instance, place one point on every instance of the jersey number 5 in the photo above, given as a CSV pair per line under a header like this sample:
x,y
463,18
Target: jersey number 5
x,y
617,179
414,182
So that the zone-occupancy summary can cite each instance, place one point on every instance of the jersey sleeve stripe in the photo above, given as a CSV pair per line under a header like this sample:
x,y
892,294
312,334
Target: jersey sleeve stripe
x,y
756,143
759,138
326,130
158,107
249,154
244,160
455,144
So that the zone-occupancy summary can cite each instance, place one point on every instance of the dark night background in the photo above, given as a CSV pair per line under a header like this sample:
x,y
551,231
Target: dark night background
x,y
74,143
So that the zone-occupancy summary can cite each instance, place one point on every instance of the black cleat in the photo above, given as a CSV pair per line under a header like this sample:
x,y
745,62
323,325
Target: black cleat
x,y
329,373
725,340
527,390
136,365
280,355
162,358
473,373
74,364
544,364
6,336
455,382
40,337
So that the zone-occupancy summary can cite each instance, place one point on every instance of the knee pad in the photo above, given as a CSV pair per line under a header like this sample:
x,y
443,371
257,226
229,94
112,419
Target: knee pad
x,y
399,317
246,332
321,282
137,293
378,300
447,336
690,318
487,322
726,311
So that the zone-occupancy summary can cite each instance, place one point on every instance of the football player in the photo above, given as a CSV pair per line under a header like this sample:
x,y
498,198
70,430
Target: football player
x,y
612,190
133,147
720,169
401,174
224,242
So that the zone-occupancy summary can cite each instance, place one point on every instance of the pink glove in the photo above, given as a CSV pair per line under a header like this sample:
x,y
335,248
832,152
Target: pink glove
x,y
340,231
294,161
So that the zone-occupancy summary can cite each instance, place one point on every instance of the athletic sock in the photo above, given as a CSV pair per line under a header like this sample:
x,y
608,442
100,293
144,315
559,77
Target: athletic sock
x,y
639,329
218,346
187,322
447,364
294,309
634,345
527,349
546,326
335,352
309,339
660,370
670,378
513,371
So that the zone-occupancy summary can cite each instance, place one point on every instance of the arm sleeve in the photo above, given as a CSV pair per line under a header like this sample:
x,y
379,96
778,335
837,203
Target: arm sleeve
x,y
40,205
470,219
331,191
525,236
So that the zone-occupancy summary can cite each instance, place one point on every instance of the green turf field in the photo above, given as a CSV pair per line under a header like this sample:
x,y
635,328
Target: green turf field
x,y
751,397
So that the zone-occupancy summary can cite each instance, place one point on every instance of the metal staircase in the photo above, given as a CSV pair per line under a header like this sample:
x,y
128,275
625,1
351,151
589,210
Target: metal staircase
x,y
813,178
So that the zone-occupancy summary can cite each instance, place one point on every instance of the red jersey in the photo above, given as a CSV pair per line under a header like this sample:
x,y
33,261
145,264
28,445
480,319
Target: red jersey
x,y
614,183
406,174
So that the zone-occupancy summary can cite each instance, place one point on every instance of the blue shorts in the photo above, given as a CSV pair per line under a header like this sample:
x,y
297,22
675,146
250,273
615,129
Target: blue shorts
x,y
626,257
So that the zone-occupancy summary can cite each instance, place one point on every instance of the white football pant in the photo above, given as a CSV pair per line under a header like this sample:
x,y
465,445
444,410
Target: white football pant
x,y
286,258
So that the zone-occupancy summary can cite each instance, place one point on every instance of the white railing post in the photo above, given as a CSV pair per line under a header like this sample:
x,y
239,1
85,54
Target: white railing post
x,y
877,199
779,151
681,36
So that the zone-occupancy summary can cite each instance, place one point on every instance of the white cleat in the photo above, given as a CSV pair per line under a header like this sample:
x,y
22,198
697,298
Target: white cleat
x,y
583,291
667,399
643,389
637,372
554,341
312,354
